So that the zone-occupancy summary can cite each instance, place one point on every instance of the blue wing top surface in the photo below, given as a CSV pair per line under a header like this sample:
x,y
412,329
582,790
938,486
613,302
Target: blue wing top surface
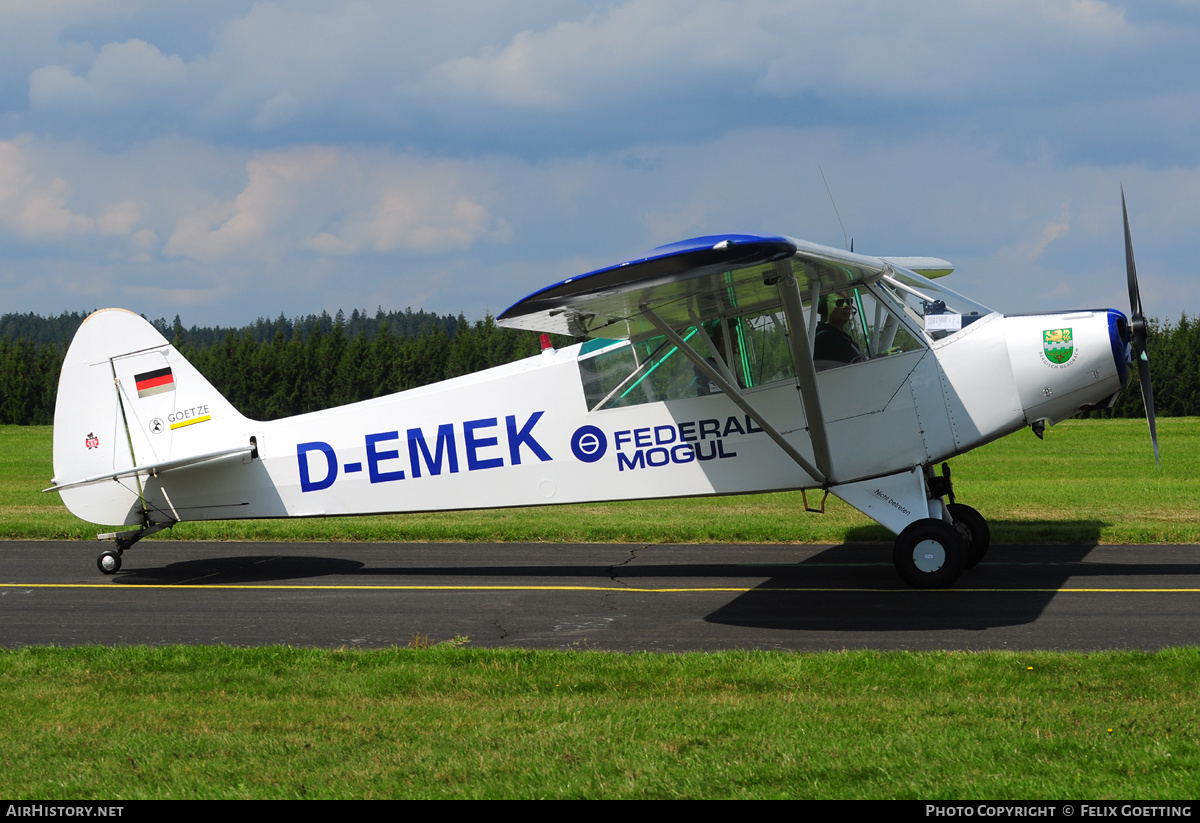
x,y
696,279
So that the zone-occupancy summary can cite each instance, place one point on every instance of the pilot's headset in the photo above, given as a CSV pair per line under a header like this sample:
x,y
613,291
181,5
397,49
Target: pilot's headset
x,y
827,302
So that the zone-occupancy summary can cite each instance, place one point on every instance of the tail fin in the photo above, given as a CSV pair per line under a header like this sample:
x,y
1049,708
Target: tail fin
x,y
128,405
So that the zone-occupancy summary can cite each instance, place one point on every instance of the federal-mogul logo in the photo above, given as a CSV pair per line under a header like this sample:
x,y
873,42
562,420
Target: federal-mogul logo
x,y
655,446
589,444
1058,346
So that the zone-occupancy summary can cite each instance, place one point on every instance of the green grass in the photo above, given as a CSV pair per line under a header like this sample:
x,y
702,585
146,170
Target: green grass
x,y
449,721
1090,481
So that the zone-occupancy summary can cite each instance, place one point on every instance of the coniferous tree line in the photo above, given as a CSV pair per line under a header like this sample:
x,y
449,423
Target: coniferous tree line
x,y
272,369
405,323
278,368
1174,372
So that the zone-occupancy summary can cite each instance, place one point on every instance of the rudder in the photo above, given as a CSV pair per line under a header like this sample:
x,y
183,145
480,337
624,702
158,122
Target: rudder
x,y
127,398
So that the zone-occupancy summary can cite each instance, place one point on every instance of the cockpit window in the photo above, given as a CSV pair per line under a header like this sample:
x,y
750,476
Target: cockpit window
x,y
859,324
749,351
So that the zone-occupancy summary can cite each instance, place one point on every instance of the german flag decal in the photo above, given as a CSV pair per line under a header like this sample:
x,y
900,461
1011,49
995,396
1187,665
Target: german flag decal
x,y
155,382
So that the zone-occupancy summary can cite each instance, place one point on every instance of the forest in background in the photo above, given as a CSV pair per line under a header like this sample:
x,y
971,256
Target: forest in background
x,y
278,368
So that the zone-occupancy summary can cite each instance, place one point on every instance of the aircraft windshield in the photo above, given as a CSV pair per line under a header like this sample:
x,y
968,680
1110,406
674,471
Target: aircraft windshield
x,y
938,310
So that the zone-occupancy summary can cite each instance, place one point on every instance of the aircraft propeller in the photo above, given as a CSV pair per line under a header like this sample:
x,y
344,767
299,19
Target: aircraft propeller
x,y
1137,332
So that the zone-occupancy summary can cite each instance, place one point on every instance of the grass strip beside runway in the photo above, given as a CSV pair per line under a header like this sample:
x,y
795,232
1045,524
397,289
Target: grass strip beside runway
x,y
450,721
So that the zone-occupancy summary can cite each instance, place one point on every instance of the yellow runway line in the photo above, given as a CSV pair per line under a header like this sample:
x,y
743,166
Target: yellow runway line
x,y
629,589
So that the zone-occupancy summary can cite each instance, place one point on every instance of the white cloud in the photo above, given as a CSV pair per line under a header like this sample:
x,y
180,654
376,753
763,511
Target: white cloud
x,y
416,205
338,202
133,74
1052,231
320,227
31,208
278,111
538,74
119,219
636,49
273,192
937,51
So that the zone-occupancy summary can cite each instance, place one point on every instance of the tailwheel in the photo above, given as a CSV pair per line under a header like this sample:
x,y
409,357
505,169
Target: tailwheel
x,y
974,530
930,554
109,562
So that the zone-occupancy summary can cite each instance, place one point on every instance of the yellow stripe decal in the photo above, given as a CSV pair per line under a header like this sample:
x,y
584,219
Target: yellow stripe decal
x,y
183,423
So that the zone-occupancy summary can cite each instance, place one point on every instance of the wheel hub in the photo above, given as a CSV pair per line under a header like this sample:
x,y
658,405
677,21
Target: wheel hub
x,y
929,556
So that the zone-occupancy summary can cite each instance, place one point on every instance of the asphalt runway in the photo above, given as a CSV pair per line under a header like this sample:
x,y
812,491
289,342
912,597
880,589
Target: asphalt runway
x,y
616,597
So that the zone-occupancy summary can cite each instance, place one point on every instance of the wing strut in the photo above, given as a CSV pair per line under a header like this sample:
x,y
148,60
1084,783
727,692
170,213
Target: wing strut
x,y
733,393
720,361
141,491
806,372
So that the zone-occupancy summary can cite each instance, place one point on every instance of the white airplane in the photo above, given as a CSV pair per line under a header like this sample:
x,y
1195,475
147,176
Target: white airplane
x,y
718,365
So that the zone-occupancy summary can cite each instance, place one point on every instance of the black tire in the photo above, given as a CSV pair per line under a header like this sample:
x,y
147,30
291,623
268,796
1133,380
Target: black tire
x,y
109,562
930,554
974,530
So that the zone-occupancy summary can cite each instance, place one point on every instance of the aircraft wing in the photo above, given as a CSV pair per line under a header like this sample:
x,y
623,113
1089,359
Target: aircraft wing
x,y
696,279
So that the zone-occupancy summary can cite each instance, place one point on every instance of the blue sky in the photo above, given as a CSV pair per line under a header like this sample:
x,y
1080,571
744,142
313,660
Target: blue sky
x,y
228,160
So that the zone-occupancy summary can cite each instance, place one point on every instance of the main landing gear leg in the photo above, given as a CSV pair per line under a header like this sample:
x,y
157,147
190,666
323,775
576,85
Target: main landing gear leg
x,y
109,561
932,552
969,523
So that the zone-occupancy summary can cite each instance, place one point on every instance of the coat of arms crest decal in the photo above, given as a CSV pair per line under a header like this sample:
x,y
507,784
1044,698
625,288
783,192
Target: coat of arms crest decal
x,y
1057,345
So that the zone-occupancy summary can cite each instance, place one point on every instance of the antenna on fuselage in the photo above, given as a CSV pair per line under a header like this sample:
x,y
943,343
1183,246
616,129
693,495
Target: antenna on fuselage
x,y
829,191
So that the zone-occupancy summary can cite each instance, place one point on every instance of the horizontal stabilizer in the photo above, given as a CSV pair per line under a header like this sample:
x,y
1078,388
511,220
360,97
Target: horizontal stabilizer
x,y
152,469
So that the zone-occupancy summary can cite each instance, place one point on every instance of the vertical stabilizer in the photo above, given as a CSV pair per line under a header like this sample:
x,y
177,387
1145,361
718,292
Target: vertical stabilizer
x,y
127,398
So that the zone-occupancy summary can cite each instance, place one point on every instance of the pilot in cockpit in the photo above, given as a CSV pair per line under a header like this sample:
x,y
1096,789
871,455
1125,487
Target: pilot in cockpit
x,y
833,345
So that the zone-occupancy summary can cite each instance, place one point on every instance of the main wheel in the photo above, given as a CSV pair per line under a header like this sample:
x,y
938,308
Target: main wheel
x,y
974,530
109,562
930,554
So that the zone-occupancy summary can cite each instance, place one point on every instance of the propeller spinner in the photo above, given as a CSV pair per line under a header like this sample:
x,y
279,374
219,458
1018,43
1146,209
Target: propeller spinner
x,y
1137,328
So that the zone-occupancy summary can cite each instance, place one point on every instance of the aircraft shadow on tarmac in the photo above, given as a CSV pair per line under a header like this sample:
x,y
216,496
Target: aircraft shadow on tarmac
x,y
1012,586
851,587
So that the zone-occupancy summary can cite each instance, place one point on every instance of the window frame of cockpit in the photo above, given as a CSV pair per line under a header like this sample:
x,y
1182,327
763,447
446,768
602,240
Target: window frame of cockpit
x,y
645,365
880,289
864,333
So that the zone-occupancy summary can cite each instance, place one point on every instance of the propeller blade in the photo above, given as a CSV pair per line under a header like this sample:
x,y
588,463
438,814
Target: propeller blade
x,y
1148,402
1137,332
1135,296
